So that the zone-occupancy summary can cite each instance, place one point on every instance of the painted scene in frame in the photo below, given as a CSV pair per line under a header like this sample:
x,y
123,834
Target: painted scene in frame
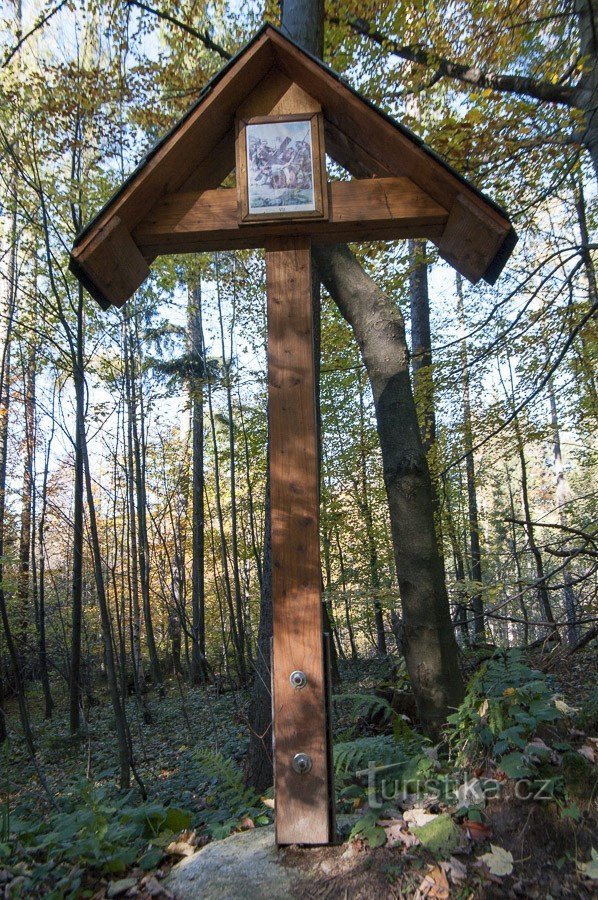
x,y
280,167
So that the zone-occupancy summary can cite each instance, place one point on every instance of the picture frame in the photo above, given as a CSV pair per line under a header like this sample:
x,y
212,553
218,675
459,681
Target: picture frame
x,y
281,168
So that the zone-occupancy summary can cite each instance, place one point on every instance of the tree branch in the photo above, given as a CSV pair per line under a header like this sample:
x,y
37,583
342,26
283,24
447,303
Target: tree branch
x,y
39,24
203,36
521,85
534,393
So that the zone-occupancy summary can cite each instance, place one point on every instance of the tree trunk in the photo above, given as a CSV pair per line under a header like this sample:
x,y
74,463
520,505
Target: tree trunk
x,y
429,640
138,429
531,539
587,18
117,706
587,362
26,533
77,572
8,251
479,625
260,772
563,494
40,579
199,670
366,510
348,622
133,567
421,341
239,605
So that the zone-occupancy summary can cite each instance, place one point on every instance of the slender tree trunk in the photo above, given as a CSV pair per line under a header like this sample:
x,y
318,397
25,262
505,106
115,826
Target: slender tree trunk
x,y
25,538
517,561
138,429
531,538
260,772
366,509
348,622
41,578
421,341
7,312
77,572
563,494
239,654
111,671
587,362
463,599
255,548
199,669
239,605
479,625
133,557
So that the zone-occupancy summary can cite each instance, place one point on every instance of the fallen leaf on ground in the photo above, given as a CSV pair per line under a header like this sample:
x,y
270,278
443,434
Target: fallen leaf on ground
x,y
590,868
499,861
588,752
155,889
246,823
455,869
565,708
477,831
117,888
397,833
434,884
419,816
180,848
267,801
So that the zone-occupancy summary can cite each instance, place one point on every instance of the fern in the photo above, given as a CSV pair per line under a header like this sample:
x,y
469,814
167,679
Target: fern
x,y
365,706
382,750
229,788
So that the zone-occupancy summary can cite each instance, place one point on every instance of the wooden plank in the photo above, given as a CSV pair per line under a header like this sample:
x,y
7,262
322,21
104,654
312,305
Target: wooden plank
x,y
372,209
277,95
371,132
113,263
221,164
190,147
302,800
471,239
355,159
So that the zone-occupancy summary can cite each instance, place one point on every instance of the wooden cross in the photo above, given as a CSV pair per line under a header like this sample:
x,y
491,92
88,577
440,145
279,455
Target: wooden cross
x,y
173,204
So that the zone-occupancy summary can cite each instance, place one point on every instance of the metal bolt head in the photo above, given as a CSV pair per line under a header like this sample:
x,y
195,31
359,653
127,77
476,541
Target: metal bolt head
x,y
298,679
302,763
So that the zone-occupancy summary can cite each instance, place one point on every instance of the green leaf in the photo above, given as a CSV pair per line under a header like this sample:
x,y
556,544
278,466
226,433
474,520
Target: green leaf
x,y
368,830
514,765
151,858
571,812
177,819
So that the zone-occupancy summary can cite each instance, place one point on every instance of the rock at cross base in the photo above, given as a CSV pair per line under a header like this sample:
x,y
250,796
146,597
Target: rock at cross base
x,y
245,865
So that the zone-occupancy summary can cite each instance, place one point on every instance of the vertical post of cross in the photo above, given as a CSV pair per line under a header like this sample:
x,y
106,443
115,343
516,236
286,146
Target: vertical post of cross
x,y
301,758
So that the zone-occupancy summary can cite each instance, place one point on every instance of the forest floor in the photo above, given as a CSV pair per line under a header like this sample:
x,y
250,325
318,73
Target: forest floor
x,y
532,835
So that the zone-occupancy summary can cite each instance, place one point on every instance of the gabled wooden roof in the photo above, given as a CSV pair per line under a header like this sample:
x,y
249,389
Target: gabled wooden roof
x,y
175,182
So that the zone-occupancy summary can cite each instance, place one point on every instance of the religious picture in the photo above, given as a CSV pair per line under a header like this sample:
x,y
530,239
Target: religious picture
x,y
280,167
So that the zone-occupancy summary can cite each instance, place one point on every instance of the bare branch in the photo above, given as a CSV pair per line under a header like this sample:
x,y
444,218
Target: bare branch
x,y
202,36
39,24
565,94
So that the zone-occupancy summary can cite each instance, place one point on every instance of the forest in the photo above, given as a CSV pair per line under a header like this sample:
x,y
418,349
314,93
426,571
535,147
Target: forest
x,y
135,564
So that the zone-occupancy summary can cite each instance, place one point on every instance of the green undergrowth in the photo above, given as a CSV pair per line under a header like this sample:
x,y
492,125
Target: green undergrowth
x,y
512,726
514,734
